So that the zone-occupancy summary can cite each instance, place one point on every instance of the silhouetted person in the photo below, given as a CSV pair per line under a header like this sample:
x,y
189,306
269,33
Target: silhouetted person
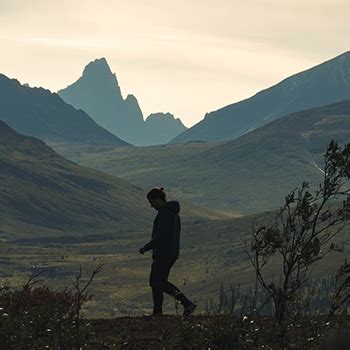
x,y
165,244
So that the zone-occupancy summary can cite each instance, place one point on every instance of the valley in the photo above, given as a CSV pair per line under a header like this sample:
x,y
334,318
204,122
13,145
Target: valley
x,y
248,175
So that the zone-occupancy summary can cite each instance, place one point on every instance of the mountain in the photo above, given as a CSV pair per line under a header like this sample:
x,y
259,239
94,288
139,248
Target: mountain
x,y
40,113
324,84
43,193
97,92
160,128
250,174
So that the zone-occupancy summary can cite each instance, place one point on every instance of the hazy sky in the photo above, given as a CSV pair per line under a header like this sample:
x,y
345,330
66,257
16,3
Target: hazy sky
x,y
184,57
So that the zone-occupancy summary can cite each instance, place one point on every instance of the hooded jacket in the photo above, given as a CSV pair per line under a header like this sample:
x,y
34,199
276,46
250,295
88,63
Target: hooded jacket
x,y
165,240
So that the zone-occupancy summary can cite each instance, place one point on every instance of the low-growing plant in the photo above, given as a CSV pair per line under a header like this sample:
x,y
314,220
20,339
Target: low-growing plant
x,y
35,317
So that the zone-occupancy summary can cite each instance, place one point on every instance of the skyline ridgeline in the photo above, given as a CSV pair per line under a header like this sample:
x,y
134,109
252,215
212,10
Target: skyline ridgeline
x,y
323,84
98,94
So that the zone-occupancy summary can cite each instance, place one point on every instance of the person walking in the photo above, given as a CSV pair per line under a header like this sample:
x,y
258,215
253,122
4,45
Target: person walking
x,y
165,244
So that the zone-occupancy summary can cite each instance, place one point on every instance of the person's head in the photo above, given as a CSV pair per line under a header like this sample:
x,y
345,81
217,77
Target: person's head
x,y
156,197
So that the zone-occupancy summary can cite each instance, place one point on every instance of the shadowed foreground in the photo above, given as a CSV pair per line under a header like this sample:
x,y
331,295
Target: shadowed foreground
x,y
219,332
41,318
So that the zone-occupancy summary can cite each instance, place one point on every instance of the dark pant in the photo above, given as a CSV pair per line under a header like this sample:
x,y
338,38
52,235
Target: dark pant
x,y
159,283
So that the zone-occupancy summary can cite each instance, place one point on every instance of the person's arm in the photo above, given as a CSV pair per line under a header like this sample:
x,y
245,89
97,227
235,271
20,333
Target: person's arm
x,y
163,233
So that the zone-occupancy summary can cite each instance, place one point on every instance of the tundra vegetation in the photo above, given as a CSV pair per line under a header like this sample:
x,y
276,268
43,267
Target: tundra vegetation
x,y
283,309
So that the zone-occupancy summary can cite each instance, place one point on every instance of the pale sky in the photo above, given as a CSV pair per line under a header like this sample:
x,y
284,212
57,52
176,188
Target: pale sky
x,y
183,57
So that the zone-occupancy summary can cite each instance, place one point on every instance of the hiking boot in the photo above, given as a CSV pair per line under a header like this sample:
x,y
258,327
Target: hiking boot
x,y
157,313
154,313
189,309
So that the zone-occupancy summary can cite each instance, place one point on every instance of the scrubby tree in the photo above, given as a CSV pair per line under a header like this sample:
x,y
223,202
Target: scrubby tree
x,y
301,233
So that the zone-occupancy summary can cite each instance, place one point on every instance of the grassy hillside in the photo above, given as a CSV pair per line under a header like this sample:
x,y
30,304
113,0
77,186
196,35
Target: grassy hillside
x,y
212,252
247,175
41,191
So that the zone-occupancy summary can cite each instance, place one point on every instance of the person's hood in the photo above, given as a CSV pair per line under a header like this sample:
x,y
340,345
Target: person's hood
x,y
173,206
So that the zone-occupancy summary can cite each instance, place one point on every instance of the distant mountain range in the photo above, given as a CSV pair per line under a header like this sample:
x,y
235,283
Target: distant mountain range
x,y
43,193
97,92
250,174
324,84
38,112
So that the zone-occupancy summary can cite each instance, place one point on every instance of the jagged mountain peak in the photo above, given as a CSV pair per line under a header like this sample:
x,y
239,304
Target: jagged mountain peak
x,y
98,66
97,76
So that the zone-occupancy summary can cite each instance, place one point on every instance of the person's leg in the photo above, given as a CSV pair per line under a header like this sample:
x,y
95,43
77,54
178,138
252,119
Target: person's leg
x,y
174,291
158,297
158,276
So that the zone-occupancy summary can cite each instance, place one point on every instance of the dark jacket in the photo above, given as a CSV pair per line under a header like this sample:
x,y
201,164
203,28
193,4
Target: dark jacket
x,y
166,231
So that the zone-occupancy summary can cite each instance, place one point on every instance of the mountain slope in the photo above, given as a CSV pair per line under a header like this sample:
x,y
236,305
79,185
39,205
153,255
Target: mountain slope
x,y
37,112
42,192
250,174
97,92
324,84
